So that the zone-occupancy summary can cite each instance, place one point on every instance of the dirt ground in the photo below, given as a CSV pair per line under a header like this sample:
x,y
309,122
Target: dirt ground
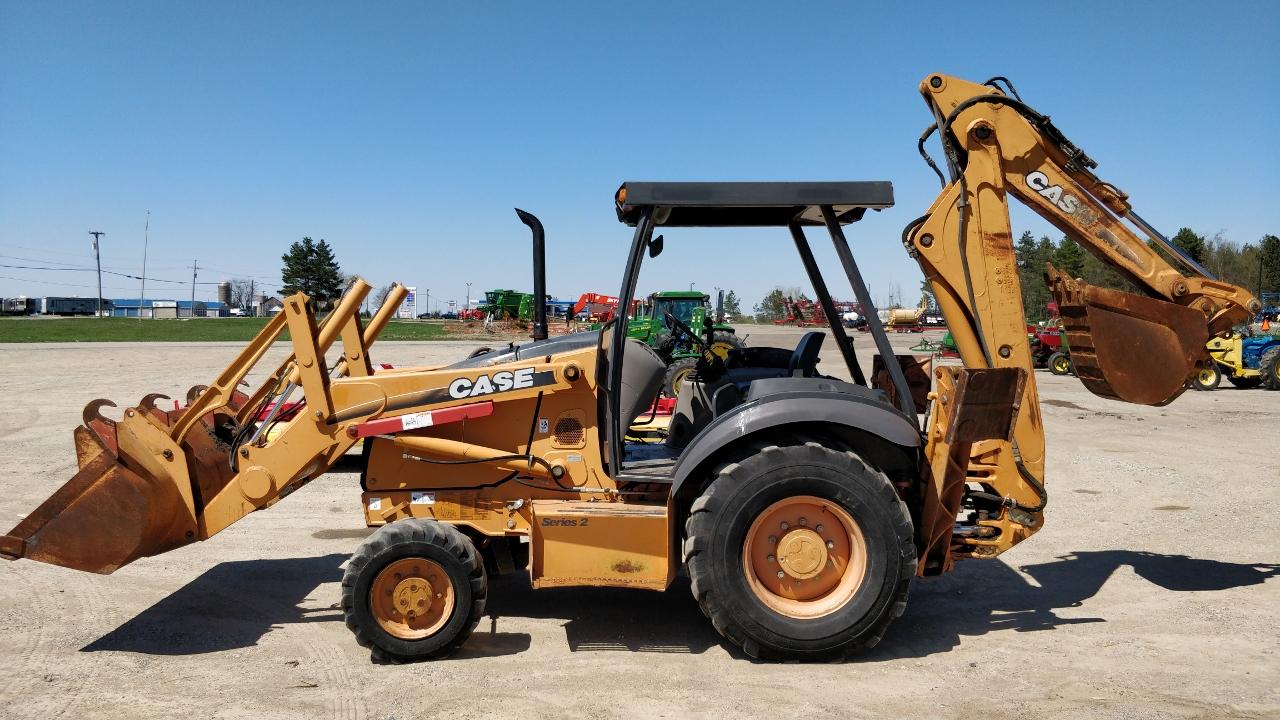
x,y
1149,593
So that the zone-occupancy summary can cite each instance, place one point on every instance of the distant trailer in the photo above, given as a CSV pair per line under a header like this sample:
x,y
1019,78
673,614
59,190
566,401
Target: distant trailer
x,y
71,306
17,306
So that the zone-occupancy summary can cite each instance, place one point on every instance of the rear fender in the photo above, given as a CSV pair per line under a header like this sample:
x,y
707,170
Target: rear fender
x,y
796,413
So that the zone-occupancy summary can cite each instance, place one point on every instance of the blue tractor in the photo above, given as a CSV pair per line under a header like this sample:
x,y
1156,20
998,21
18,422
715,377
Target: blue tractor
x,y
1247,361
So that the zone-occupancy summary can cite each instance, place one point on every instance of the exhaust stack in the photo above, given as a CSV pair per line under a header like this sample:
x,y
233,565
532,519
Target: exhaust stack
x,y
539,273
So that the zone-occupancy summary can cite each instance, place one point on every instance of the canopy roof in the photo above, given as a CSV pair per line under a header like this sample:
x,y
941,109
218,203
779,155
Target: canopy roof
x,y
749,204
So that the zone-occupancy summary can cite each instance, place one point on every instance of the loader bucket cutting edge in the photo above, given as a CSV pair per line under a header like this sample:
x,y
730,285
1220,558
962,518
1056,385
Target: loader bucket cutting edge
x,y
1128,347
107,515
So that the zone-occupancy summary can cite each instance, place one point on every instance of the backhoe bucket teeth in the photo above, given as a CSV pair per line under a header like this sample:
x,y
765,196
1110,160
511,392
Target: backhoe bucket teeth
x,y
110,513
1125,346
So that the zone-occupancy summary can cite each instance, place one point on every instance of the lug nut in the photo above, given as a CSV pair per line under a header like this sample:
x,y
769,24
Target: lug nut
x,y
781,574
803,522
830,545
770,558
785,525
773,539
819,527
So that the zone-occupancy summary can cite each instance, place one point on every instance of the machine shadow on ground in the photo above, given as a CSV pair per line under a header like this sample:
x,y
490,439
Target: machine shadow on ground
x,y
983,597
607,619
231,605
234,604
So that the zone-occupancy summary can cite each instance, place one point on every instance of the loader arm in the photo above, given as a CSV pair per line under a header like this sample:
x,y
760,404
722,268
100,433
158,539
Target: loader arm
x,y
1140,349
157,479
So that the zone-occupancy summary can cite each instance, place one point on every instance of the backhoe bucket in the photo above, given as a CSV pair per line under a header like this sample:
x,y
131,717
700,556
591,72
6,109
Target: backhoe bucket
x,y
116,509
1125,346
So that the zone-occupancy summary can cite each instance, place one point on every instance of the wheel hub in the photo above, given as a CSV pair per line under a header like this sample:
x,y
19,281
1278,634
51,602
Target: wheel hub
x,y
802,553
804,556
412,598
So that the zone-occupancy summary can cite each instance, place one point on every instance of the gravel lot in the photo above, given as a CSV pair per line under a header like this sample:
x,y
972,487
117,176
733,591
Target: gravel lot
x,y
1150,592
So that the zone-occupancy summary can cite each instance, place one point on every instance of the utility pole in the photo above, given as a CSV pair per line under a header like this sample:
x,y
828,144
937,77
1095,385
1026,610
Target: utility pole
x,y
467,304
426,304
194,269
98,256
146,239
252,296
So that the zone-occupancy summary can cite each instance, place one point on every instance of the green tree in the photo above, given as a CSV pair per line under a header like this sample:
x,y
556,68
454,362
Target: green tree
x,y
1269,264
732,306
772,307
1190,243
1069,257
1031,255
311,267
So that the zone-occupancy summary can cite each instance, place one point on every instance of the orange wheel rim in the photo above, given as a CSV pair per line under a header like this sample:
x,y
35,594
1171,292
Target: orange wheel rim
x,y
412,598
804,557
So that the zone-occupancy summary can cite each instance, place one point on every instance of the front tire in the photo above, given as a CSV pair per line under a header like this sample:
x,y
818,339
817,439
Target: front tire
x,y
1060,363
677,371
414,590
830,524
1207,378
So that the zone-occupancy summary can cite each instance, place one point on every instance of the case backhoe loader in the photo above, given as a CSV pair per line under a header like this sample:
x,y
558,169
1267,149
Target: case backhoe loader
x,y
800,505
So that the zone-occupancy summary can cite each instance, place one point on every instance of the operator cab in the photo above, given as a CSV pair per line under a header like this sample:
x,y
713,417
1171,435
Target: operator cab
x,y
748,378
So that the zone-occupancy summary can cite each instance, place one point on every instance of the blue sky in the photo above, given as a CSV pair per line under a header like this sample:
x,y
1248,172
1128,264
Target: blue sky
x,y
404,133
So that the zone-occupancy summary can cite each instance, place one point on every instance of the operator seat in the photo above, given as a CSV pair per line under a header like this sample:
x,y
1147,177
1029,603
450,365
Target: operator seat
x,y
642,372
804,360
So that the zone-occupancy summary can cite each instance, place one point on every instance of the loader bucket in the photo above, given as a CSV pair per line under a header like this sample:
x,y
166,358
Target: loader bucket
x,y
110,513
1128,347
158,479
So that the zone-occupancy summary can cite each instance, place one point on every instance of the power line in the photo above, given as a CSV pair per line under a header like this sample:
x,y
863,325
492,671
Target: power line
x,y
108,272
49,282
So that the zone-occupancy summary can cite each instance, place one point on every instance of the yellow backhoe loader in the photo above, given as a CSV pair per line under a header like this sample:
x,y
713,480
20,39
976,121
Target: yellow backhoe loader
x,y
801,506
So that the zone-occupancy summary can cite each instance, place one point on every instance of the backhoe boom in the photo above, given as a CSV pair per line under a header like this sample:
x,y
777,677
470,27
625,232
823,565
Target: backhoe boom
x,y
1128,347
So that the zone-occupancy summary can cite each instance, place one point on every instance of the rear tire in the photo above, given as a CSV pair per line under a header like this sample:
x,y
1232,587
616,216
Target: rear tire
x,y
427,569
1270,367
785,619
1060,363
724,344
1207,378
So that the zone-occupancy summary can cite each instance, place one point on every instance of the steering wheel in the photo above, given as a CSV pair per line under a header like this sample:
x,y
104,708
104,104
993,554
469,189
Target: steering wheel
x,y
676,325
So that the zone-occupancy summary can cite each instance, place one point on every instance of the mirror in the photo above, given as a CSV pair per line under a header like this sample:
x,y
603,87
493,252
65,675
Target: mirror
x,y
655,247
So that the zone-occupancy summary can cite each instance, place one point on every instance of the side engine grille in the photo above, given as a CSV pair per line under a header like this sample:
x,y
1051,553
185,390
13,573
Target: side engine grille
x,y
569,432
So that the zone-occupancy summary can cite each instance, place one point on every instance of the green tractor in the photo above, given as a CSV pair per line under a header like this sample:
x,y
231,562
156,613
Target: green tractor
x,y
507,305
653,325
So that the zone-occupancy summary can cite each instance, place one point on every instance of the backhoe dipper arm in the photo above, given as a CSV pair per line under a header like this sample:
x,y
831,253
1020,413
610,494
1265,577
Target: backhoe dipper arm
x,y
1123,346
